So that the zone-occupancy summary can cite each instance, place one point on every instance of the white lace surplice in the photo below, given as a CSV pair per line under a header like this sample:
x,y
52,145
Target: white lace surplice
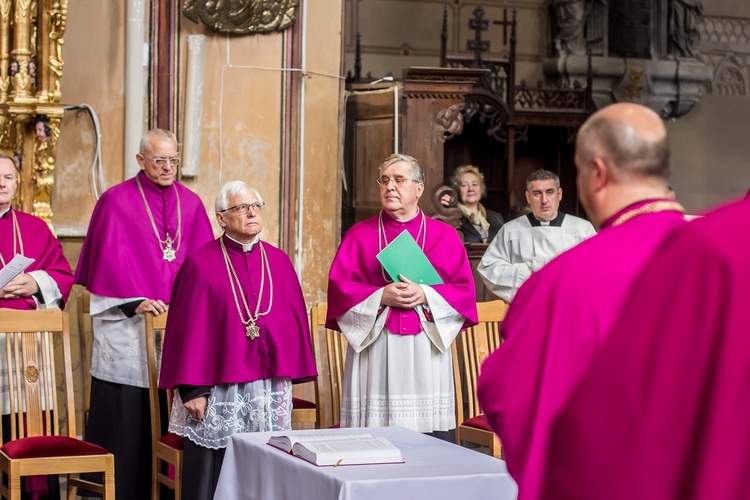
x,y
119,351
259,406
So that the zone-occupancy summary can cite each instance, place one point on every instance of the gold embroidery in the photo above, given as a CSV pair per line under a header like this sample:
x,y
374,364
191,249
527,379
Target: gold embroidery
x,y
649,208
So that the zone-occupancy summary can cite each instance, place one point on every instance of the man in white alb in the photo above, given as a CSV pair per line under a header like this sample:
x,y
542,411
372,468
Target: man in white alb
x,y
525,244
398,364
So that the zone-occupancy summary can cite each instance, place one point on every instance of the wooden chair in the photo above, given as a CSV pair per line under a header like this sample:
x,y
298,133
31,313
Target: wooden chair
x,y
164,447
86,346
330,382
36,446
304,412
470,349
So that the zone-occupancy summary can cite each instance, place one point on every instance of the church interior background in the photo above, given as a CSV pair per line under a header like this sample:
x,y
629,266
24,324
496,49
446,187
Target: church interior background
x,y
274,102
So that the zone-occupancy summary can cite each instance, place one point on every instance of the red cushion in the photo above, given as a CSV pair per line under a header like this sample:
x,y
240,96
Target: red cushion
x,y
302,403
172,440
478,422
50,446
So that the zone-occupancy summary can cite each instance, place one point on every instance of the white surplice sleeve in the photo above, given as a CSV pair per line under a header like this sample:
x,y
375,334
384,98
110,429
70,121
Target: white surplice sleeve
x,y
119,350
106,308
500,273
446,322
361,325
49,289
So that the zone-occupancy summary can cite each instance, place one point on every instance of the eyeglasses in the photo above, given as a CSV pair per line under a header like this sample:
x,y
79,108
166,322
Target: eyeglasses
x,y
160,162
399,181
244,208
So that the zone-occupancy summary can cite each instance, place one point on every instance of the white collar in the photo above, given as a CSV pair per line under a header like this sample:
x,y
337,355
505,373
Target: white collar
x,y
404,221
5,212
246,247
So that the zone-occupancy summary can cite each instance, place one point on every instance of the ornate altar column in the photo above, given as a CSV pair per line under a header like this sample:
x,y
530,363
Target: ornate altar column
x,y
31,39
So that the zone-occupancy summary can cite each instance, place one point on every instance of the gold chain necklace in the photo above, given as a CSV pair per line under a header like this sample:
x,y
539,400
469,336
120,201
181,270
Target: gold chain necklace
x,y
382,237
169,252
252,330
17,240
649,208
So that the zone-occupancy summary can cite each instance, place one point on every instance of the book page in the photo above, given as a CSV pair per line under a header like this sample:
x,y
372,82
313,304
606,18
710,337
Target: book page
x,y
286,442
363,451
16,266
361,444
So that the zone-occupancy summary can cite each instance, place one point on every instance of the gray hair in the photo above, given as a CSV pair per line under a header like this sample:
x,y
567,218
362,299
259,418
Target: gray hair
x,y
160,133
233,188
542,175
417,174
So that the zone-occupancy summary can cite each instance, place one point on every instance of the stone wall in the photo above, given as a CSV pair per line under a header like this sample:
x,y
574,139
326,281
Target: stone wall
x,y
710,143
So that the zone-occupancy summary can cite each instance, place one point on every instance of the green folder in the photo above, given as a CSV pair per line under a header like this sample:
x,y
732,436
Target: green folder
x,y
403,256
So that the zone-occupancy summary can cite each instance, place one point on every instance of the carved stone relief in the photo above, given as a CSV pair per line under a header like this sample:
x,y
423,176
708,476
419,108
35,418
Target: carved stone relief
x,y
725,48
242,17
729,81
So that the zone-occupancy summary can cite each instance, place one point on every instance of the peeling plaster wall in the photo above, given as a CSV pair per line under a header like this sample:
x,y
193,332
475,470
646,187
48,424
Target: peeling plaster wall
x,y
242,124
242,133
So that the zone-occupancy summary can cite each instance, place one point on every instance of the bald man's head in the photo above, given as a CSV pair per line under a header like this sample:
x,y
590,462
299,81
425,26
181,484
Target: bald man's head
x,y
629,137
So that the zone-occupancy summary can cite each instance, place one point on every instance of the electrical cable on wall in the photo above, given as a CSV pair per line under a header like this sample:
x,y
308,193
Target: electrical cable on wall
x,y
227,65
97,171
301,131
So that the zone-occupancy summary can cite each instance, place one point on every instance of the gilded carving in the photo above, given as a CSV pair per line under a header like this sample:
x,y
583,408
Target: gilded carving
x,y
34,21
5,6
242,17
58,20
31,65
634,90
44,166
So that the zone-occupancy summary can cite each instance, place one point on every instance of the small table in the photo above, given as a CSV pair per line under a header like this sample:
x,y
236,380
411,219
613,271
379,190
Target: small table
x,y
433,469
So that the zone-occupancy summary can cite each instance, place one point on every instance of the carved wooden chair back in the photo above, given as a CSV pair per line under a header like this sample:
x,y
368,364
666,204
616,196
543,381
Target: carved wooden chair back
x,y
85,345
33,341
330,354
469,350
164,447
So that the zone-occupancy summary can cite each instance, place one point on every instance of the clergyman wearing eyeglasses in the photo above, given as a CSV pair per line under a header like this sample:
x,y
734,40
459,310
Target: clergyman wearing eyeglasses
x,y
398,365
236,341
139,235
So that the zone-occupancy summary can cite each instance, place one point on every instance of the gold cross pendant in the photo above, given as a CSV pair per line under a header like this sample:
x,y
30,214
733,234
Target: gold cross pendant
x,y
169,252
252,331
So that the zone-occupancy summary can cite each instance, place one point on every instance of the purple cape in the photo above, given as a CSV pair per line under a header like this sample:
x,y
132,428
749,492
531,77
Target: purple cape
x,y
40,244
664,411
555,325
121,256
205,342
356,273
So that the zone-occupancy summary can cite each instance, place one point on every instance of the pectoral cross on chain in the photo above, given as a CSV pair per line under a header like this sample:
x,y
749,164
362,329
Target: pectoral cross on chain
x,y
168,251
252,331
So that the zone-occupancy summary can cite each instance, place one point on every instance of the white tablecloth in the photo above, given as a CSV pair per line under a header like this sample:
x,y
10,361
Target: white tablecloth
x,y
433,469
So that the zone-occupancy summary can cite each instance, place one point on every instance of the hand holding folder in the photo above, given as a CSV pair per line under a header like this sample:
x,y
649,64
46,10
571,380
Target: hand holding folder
x,y
402,256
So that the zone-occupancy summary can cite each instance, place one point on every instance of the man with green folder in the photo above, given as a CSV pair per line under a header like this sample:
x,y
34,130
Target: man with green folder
x,y
400,317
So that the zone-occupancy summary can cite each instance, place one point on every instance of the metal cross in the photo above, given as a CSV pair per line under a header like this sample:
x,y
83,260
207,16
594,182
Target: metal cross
x,y
504,23
478,24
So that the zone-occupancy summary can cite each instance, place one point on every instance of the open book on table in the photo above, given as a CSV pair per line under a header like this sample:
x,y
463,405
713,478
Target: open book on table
x,y
338,449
